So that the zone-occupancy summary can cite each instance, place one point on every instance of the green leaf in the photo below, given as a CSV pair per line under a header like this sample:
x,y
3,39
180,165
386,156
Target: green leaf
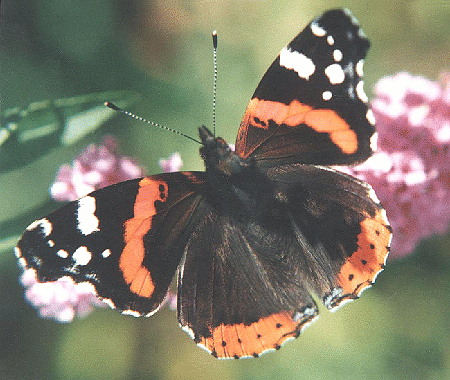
x,y
29,133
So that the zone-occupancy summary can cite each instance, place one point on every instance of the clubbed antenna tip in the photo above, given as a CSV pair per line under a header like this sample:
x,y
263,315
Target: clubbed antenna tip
x,y
214,36
112,106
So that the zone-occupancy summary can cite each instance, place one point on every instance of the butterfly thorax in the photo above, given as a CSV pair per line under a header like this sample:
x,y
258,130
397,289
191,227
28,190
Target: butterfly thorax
x,y
219,156
236,180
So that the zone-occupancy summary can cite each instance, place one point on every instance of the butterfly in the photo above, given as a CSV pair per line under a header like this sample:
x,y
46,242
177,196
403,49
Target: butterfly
x,y
265,230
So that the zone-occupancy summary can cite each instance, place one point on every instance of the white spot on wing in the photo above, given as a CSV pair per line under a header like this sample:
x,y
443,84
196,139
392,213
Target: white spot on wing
x,y
87,221
374,142
44,224
359,67
22,262
106,253
330,40
337,55
63,254
373,196
51,243
133,313
317,30
82,256
17,252
335,73
298,62
109,302
327,95
370,117
360,92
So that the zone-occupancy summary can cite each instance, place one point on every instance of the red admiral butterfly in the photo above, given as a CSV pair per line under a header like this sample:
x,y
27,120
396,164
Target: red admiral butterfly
x,y
264,229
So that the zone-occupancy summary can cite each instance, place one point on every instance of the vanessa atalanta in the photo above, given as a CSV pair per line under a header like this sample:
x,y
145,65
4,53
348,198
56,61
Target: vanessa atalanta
x,y
262,231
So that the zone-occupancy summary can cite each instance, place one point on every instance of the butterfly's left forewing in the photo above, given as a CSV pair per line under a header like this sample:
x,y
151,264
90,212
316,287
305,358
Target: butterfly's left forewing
x,y
310,106
126,239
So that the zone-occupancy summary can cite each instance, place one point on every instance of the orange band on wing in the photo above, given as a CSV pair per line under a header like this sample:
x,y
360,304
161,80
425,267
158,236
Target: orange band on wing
x,y
134,273
330,122
239,340
260,112
360,269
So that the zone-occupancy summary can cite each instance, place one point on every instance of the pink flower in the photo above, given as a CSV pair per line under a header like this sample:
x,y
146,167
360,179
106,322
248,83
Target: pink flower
x,y
96,167
61,300
172,164
170,300
411,171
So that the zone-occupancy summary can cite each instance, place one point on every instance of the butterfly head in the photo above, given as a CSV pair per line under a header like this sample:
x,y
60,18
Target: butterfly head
x,y
218,155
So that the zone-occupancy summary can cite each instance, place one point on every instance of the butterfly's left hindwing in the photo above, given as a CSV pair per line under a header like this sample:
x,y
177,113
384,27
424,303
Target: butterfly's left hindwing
x,y
126,239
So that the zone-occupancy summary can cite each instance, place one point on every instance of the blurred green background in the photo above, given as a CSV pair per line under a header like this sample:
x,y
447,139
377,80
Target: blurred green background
x,y
162,49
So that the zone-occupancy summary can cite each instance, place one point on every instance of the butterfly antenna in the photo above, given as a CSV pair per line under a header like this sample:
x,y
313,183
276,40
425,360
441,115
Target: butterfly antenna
x,y
214,37
130,114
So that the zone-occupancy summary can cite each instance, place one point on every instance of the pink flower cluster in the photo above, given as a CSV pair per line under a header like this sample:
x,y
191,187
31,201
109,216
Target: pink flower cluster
x,y
61,300
96,167
172,164
411,171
